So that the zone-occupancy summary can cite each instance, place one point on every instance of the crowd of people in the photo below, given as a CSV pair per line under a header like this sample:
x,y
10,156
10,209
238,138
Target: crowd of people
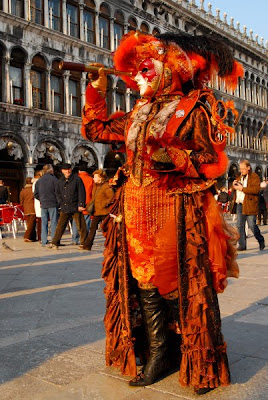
x,y
62,201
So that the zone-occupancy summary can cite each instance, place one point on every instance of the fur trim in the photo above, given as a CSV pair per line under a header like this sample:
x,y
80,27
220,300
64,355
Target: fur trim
x,y
215,170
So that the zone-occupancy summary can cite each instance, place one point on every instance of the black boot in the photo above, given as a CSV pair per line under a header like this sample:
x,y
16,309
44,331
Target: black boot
x,y
154,313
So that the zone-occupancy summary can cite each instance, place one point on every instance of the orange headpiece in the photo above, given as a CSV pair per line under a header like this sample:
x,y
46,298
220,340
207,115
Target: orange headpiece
x,y
195,59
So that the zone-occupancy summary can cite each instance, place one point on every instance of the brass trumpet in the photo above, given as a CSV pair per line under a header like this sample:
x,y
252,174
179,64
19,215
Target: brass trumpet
x,y
70,66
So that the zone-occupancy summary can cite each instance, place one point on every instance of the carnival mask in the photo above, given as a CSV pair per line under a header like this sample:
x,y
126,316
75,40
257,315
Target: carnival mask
x,y
149,76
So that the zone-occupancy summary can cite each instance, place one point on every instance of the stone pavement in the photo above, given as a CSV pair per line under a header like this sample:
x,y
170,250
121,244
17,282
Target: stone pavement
x,y
52,337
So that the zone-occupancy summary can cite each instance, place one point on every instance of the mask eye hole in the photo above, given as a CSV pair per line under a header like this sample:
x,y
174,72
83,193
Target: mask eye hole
x,y
145,69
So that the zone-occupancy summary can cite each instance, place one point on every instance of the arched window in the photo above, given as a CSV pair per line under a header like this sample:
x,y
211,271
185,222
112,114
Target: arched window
x,y
118,27
104,24
156,32
132,24
72,19
55,15
17,8
75,94
144,28
16,72
38,81
89,21
56,88
120,96
37,11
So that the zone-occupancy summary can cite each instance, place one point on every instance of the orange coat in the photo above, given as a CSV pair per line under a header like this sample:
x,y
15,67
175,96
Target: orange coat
x,y
88,183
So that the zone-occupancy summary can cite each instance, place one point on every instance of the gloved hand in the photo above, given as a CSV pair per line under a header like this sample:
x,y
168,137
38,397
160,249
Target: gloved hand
x,y
98,79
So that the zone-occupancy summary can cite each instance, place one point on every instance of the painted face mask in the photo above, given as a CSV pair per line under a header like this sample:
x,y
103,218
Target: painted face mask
x,y
149,77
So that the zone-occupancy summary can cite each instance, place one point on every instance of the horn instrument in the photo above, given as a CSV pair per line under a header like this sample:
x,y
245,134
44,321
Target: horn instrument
x,y
70,66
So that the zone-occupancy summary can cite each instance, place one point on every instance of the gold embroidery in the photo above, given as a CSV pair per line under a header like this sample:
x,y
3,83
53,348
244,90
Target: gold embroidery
x,y
136,244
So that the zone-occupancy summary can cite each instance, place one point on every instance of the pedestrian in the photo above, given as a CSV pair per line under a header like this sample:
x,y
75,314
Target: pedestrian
x,y
265,194
3,193
262,216
102,196
37,205
223,199
88,183
27,202
71,196
247,188
167,248
45,192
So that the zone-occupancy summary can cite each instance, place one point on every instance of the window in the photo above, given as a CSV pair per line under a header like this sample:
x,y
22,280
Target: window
x,y
54,12
132,24
120,96
74,94
89,21
72,20
2,75
156,32
144,28
37,11
104,24
38,81
56,88
16,72
17,8
118,28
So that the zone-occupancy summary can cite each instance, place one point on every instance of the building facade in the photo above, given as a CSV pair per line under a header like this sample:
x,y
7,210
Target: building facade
x,y
40,105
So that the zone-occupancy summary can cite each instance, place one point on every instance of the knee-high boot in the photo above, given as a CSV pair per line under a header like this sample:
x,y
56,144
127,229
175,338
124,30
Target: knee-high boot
x,y
154,313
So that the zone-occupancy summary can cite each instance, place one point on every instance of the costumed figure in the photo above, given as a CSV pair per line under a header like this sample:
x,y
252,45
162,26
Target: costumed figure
x,y
168,250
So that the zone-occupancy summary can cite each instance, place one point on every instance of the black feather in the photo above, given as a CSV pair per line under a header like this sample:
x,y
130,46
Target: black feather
x,y
205,46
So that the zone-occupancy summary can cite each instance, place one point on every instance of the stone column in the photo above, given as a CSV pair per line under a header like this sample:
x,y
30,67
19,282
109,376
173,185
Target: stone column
x,y
127,100
28,86
46,14
64,17
7,86
66,92
29,168
112,47
97,29
27,10
49,89
243,87
82,26
83,89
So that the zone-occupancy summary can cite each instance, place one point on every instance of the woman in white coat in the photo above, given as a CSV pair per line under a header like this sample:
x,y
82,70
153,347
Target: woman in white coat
x,y
37,206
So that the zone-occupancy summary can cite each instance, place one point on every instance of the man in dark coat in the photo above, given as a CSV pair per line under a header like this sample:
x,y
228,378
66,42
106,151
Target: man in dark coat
x,y
45,192
247,188
71,196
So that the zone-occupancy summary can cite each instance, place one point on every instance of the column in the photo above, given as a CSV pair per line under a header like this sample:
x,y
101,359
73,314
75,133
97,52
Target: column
x,y
46,15
97,28
30,170
83,89
64,17
125,28
82,26
49,89
6,6
7,86
66,91
112,47
114,98
28,86
27,10
242,94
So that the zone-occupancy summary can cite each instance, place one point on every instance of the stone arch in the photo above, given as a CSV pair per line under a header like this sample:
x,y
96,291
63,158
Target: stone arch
x,y
84,155
15,146
48,151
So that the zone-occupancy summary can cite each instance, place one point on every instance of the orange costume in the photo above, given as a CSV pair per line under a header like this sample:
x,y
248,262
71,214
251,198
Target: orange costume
x,y
172,242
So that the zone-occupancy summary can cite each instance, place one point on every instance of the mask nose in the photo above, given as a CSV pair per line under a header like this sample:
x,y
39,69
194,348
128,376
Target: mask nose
x,y
137,77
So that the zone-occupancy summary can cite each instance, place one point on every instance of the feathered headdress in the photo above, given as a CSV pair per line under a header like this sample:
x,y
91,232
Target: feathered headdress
x,y
196,59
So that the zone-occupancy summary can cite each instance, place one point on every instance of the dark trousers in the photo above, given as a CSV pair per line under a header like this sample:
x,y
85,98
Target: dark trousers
x,y
31,224
38,228
93,228
241,222
62,223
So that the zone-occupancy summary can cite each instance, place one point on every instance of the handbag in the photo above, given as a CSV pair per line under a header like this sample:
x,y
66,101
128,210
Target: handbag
x,y
90,208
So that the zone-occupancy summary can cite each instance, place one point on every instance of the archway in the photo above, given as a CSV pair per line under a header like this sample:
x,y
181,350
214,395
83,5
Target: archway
x,y
84,156
48,152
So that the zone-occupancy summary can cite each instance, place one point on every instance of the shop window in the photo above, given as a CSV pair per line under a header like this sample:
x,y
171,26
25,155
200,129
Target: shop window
x,y
120,96
74,95
38,81
72,20
132,24
55,15
56,88
104,26
16,72
17,8
89,21
37,11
